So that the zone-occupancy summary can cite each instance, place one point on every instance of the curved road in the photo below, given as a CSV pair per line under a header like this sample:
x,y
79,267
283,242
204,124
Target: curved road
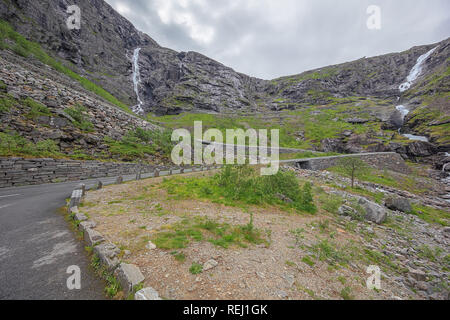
x,y
37,245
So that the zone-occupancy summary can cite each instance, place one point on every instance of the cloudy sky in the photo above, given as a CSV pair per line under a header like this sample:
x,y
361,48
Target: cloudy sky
x,y
272,38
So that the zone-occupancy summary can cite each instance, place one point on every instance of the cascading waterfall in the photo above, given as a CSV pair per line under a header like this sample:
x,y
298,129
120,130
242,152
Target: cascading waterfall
x,y
136,81
415,71
413,75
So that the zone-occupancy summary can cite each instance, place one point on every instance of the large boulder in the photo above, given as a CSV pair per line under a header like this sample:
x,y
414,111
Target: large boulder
x,y
374,212
398,204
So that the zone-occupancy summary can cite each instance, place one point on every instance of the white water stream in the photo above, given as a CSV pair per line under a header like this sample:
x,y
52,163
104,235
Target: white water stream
x,y
136,81
413,75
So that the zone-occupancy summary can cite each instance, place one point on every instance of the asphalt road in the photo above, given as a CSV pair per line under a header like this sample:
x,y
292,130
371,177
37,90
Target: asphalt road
x,y
37,245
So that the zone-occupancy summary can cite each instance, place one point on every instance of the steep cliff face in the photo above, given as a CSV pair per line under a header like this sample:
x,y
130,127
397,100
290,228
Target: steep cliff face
x,y
100,50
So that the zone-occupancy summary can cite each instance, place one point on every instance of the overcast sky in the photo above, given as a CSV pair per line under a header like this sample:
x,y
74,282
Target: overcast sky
x,y
272,38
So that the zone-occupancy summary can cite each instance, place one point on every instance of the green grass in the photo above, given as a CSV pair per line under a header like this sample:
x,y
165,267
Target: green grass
x,y
12,144
196,268
431,215
6,103
203,229
330,202
179,256
28,48
328,251
138,143
346,293
36,109
78,114
308,260
243,186
112,284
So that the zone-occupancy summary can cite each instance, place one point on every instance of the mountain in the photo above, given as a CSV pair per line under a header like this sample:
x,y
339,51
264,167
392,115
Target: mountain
x,y
176,82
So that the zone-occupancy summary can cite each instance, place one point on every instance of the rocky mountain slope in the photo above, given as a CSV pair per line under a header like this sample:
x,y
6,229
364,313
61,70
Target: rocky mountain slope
x,y
171,82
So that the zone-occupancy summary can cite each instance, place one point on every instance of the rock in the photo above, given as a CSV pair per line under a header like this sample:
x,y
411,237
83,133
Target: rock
x,y
119,180
398,204
78,216
99,185
150,245
210,264
346,211
147,294
357,121
290,279
374,212
283,198
129,276
92,237
418,275
107,253
83,226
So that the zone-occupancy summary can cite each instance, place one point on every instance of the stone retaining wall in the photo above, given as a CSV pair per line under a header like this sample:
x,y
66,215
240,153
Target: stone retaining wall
x,y
20,171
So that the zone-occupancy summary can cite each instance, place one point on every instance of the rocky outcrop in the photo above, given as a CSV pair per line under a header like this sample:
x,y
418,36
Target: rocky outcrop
x,y
398,204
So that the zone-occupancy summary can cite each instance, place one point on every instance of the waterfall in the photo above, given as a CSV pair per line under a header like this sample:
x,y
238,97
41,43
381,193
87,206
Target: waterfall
x,y
403,111
415,71
136,81
413,75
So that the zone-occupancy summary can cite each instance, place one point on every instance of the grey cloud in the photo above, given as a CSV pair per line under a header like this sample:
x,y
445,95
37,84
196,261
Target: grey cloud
x,y
272,38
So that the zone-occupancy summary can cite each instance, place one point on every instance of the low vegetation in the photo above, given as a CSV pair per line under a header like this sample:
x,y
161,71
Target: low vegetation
x,y
12,144
78,114
138,143
243,185
179,235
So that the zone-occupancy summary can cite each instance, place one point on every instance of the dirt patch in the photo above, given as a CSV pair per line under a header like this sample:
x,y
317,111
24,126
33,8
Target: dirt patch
x,y
285,266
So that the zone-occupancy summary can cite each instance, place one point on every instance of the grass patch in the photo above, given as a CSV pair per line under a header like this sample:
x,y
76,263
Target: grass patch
x,y
346,293
36,109
431,215
242,185
138,143
78,114
203,229
12,144
179,256
196,268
